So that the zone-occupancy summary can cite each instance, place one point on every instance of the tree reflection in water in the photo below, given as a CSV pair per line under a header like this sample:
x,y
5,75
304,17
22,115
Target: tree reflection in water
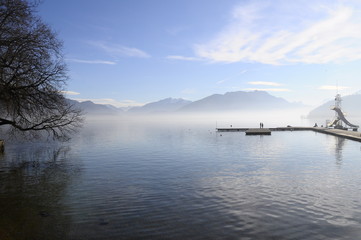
x,y
34,181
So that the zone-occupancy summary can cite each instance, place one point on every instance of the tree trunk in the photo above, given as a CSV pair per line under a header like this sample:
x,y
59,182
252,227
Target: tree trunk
x,y
1,146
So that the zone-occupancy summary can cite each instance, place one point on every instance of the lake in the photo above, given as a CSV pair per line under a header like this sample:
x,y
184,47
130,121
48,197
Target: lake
x,y
138,179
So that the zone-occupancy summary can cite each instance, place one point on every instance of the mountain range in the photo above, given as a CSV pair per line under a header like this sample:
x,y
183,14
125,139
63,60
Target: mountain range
x,y
162,106
91,108
350,105
237,101
230,101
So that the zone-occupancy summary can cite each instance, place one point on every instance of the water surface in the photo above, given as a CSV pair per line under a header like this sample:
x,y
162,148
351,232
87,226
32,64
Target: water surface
x,y
124,179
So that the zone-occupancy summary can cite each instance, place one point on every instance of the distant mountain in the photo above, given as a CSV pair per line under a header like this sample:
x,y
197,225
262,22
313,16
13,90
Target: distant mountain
x,y
236,101
162,106
91,108
231,101
350,105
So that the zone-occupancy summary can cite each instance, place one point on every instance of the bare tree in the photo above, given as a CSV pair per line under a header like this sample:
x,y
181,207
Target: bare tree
x,y
32,75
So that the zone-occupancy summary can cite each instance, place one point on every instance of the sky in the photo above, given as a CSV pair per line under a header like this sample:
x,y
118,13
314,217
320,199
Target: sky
x,y
132,52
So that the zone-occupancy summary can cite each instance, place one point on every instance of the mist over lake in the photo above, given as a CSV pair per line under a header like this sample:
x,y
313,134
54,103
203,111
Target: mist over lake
x,y
180,120
157,177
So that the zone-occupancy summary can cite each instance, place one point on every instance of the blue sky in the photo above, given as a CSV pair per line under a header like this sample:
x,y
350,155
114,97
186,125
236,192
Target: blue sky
x,y
131,52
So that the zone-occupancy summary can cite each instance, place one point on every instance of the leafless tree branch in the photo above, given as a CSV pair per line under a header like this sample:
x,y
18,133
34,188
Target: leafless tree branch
x,y
32,75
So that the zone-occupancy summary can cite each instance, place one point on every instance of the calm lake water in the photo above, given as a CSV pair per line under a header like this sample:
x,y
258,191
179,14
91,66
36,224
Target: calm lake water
x,y
125,179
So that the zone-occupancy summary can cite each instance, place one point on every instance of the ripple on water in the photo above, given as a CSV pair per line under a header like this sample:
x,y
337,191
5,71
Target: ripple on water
x,y
181,184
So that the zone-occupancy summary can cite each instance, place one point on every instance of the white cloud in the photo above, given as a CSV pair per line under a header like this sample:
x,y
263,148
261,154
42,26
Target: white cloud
x,y
120,50
116,103
331,87
265,83
268,89
69,92
283,33
91,61
175,57
188,91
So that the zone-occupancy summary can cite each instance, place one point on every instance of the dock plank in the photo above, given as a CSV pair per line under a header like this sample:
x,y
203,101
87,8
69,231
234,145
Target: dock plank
x,y
258,131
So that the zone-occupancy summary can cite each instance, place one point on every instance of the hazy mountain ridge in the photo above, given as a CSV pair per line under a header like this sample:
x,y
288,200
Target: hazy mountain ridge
x,y
230,101
237,101
161,106
88,107
350,105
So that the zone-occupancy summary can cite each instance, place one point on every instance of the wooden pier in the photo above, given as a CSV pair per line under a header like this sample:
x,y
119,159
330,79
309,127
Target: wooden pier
x,y
352,135
258,131
271,129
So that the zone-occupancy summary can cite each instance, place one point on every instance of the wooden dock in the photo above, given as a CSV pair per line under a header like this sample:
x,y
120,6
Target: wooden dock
x,y
352,135
258,131
271,129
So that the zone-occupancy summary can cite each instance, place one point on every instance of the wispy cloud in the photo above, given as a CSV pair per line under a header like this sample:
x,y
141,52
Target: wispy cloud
x,y
116,103
268,89
90,61
174,31
176,57
227,79
283,32
70,93
188,91
331,87
120,50
265,83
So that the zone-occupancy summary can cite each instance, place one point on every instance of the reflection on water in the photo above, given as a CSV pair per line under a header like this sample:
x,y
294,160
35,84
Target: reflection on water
x,y
127,180
33,184
340,142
